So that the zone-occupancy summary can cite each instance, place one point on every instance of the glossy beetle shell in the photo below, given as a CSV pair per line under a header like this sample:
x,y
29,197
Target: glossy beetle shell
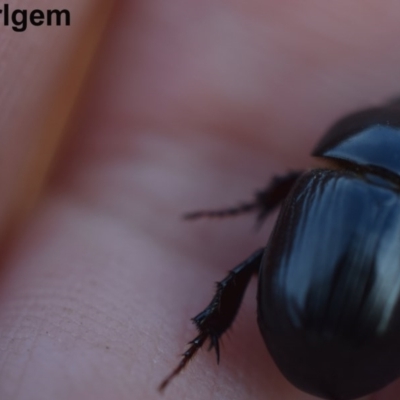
x,y
329,284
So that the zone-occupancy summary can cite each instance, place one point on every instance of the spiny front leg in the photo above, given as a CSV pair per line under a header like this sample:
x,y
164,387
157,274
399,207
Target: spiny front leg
x,y
218,316
264,203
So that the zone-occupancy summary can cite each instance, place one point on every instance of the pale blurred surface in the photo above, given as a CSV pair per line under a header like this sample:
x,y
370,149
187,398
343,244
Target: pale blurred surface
x,y
42,71
190,104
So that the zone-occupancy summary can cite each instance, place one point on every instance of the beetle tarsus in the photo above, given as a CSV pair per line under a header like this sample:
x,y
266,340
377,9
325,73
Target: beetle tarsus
x,y
265,201
218,316
196,344
228,212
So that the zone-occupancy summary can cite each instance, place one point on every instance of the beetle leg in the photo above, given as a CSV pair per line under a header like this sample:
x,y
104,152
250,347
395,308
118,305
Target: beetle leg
x,y
218,316
264,203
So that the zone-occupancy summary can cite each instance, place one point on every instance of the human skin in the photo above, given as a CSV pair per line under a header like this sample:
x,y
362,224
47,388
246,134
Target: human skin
x,y
189,105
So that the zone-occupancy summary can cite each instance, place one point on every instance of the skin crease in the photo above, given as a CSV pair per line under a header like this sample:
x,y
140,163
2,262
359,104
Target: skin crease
x,y
190,104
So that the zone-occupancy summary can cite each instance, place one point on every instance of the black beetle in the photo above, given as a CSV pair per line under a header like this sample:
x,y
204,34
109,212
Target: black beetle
x,y
329,277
